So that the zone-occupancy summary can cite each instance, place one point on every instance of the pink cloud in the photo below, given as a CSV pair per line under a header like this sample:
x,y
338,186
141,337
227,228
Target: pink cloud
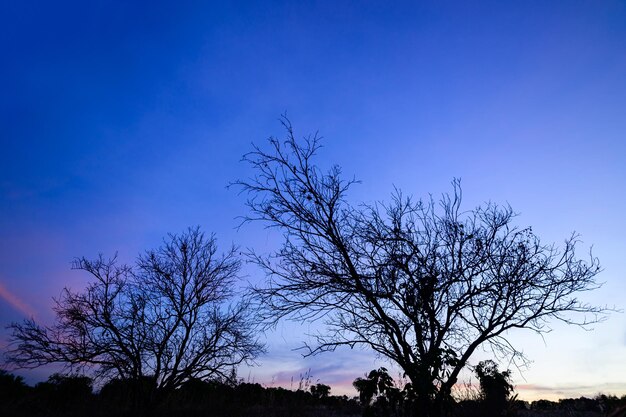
x,y
531,392
16,302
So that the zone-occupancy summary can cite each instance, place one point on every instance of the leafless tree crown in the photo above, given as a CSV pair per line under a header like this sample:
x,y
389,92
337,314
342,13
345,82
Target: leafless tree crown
x,y
168,318
423,283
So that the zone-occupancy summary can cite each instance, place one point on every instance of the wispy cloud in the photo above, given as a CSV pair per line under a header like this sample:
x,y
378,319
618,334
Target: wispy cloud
x,y
552,392
16,302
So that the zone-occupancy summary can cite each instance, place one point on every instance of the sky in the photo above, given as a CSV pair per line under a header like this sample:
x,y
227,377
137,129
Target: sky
x,y
122,121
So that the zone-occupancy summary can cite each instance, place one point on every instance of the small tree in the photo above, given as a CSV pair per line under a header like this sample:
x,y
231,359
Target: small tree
x,y
378,384
423,283
495,387
367,389
166,320
320,390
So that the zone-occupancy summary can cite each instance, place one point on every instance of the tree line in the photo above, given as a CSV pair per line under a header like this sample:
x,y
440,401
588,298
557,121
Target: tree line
x,y
379,396
423,283
74,395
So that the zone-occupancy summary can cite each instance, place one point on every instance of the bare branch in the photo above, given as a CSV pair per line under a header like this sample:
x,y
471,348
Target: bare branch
x,y
422,283
168,318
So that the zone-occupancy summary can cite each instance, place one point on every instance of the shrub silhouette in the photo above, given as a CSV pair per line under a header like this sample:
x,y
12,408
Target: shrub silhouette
x,y
68,395
11,386
320,390
495,387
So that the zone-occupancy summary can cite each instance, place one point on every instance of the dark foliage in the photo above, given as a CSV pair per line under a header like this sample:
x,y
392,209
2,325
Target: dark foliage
x,y
320,390
379,396
12,389
72,396
69,396
495,387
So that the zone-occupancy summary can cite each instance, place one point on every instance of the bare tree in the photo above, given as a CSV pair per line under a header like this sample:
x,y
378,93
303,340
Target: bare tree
x,y
165,320
422,283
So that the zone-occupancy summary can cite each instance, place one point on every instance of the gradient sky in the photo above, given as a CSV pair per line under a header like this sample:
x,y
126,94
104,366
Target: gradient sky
x,y
122,122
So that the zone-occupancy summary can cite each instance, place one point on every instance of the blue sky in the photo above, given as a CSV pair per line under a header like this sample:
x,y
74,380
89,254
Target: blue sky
x,y
122,122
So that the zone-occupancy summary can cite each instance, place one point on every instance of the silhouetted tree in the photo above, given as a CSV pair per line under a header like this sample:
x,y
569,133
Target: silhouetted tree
x,y
11,385
495,387
161,322
70,388
12,393
320,390
422,283
543,405
378,385
367,389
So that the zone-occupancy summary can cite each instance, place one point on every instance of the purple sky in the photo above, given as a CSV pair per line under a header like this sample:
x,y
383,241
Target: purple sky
x,y
121,123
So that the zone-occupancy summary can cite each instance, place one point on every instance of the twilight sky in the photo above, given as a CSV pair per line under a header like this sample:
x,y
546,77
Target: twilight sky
x,y
122,122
